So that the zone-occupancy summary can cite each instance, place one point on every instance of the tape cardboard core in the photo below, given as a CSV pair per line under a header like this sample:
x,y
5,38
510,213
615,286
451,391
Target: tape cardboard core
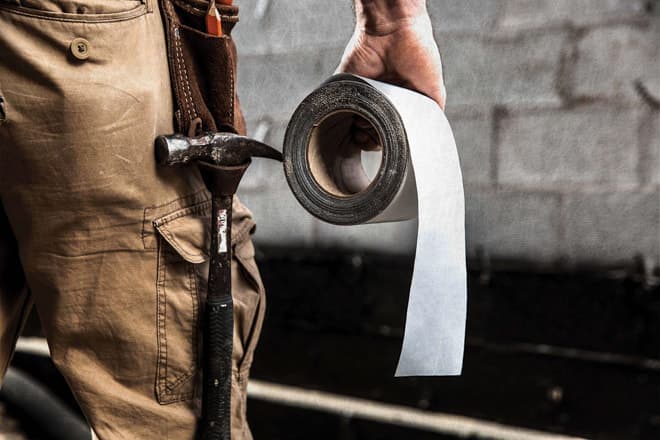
x,y
335,159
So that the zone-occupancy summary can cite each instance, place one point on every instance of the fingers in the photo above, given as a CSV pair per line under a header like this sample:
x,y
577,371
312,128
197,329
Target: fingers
x,y
364,135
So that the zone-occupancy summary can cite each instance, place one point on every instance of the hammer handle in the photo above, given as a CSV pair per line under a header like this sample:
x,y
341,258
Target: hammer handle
x,y
219,327
217,371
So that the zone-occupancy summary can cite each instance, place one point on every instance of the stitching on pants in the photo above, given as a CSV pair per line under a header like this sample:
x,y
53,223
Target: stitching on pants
x,y
194,209
73,18
192,200
243,232
171,386
167,390
178,248
194,297
253,279
161,313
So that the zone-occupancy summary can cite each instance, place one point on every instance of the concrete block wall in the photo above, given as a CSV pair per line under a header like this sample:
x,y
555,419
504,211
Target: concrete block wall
x,y
554,105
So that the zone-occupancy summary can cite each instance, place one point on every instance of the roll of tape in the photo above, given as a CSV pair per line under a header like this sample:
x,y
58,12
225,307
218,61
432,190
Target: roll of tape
x,y
324,168
419,176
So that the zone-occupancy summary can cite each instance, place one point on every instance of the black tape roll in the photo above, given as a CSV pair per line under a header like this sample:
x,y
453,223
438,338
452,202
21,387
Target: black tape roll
x,y
316,145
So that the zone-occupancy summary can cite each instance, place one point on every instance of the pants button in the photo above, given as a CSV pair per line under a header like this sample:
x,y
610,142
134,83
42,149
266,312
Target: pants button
x,y
80,48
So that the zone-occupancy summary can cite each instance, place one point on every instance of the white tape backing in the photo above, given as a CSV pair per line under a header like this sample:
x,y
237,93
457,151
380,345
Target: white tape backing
x,y
419,176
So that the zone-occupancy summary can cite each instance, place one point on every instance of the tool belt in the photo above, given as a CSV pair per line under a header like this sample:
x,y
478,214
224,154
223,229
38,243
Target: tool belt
x,y
202,68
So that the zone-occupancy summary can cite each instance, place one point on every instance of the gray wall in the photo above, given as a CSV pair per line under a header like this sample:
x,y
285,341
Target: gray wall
x,y
560,152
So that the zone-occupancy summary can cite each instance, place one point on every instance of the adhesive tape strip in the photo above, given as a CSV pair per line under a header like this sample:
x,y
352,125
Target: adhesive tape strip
x,y
419,176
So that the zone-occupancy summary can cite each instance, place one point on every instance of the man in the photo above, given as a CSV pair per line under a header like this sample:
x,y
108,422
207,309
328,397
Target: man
x,y
111,246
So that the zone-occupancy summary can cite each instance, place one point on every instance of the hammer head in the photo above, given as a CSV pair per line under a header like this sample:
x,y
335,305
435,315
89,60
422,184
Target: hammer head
x,y
218,149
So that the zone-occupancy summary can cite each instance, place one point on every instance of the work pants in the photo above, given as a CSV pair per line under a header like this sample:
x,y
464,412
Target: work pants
x,y
110,248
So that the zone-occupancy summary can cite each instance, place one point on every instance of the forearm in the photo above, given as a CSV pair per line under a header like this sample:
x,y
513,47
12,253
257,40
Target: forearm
x,y
385,16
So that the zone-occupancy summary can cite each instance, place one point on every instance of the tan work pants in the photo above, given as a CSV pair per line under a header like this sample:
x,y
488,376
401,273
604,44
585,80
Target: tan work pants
x,y
110,248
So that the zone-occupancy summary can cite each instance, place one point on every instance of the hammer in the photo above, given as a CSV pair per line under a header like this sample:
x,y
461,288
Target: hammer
x,y
222,159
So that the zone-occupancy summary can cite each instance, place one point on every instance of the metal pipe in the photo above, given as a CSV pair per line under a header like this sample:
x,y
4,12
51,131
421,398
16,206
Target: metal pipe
x,y
42,408
464,427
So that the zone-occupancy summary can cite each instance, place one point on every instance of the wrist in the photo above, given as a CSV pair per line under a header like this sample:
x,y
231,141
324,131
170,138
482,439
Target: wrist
x,y
382,17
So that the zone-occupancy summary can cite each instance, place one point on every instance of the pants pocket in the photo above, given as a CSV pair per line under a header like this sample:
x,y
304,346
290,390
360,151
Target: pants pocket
x,y
88,11
249,311
178,311
183,237
250,291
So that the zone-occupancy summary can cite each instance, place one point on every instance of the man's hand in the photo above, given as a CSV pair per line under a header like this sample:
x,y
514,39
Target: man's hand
x,y
393,42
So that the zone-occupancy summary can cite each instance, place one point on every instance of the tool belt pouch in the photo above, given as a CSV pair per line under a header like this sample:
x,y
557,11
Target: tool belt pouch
x,y
202,68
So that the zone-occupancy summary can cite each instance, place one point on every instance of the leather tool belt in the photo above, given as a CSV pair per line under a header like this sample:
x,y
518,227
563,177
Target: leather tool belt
x,y
202,68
